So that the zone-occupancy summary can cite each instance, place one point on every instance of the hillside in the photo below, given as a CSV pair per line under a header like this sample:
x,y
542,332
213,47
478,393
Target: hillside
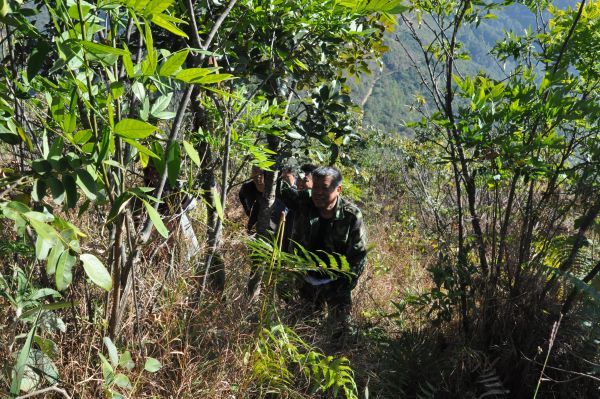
x,y
393,89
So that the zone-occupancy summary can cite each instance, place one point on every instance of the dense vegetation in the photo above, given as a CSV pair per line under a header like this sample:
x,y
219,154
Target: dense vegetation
x,y
116,115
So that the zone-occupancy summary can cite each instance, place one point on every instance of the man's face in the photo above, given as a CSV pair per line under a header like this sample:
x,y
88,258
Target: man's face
x,y
305,182
324,193
258,178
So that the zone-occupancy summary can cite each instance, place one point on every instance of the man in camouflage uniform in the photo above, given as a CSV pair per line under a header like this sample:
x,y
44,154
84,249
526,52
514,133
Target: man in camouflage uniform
x,y
332,224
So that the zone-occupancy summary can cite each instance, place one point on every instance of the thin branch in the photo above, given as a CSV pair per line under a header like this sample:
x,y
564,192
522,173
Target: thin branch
x,y
43,391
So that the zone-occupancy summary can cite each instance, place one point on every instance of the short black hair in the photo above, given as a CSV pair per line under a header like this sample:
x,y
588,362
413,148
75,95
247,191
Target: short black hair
x,y
324,171
308,168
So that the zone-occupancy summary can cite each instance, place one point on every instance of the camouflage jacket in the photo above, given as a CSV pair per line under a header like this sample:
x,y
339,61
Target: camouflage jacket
x,y
345,235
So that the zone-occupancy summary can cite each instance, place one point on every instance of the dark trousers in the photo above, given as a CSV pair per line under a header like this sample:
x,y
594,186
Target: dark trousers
x,y
336,294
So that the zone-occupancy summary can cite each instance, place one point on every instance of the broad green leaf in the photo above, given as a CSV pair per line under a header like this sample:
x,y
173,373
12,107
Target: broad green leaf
x,y
56,188
138,91
122,381
134,129
4,11
82,136
192,153
113,354
96,271
15,386
102,49
128,64
117,89
215,78
71,190
191,74
217,204
173,63
156,219
53,257
163,23
64,275
38,364
87,184
37,58
126,361
156,7
46,237
107,370
161,104
144,150
152,365
70,119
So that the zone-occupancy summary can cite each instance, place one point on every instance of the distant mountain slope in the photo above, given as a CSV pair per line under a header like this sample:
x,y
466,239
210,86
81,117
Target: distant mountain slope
x,y
388,94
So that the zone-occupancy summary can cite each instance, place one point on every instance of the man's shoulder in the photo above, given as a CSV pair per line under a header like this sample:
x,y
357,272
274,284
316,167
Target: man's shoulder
x,y
350,209
248,187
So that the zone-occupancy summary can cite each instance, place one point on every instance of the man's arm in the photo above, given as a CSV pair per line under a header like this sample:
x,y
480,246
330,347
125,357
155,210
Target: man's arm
x,y
292,198
356,253
243,196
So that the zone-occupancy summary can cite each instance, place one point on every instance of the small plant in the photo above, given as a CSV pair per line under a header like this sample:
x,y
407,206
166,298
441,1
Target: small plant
x,y
115,381
279,350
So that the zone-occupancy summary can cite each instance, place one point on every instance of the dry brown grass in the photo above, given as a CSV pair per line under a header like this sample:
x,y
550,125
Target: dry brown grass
x,y
202,348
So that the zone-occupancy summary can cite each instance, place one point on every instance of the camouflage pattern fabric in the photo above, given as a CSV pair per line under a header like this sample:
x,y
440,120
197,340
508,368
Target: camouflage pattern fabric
x,y
345,235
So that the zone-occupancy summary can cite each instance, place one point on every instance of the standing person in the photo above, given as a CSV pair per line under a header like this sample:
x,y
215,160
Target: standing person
x,y
329,224
250,194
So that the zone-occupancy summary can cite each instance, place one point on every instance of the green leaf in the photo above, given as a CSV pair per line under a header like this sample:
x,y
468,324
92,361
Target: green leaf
x,y
156,7
57,189
64,276
191,74
107,371
15,386
117,89
55,254
128,64
173,63
82,136
134,129
173,164
122,381
144,150
96,48
37,57
113,354
215,78
192,153
71,190
152,365
96,271
163,23
156,219
87,184
126,361
46,238
217,204
161,104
